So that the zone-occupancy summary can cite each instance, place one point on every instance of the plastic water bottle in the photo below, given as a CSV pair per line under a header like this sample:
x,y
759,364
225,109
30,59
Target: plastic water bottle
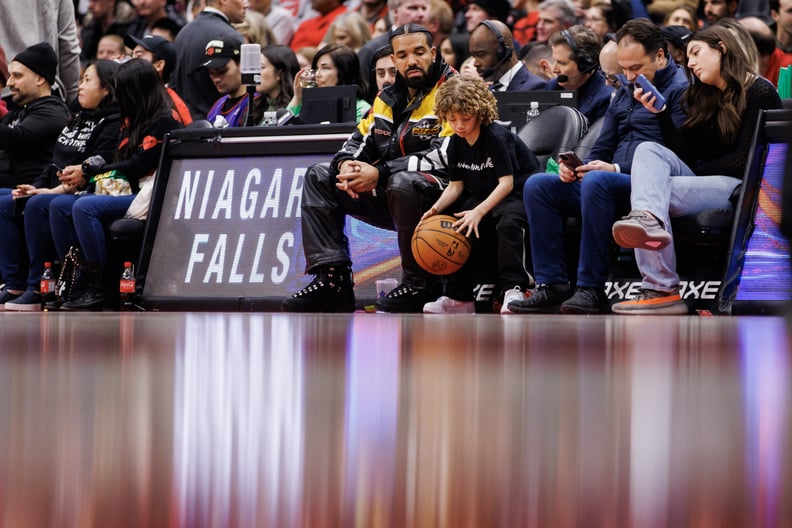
x,y
533,112
126,287
47,286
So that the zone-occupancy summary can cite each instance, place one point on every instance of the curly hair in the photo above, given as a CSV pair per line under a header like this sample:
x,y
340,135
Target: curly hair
x,y
466,95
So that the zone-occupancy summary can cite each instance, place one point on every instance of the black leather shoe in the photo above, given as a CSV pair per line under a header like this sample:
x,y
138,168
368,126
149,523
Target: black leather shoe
x,y
92,300
586,301
405,299
545,298
331,290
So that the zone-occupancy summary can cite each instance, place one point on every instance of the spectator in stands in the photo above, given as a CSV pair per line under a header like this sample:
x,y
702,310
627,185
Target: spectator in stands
x,y
80,220
604,18
213,23
279,19
455,49
721,115
481,10
111,47
401,12
487,167
373,11
440,21
384,68
105,17
160,53
554,15
28,134
312,31
663,10
254,30
715,10
682,16
166,28
676,38
576,66
335,66
598,190
305,56
538,58
222,61
149,12
92,131
493,54
781,11
771,57
609,64
278,68
50,21
368,179
348,29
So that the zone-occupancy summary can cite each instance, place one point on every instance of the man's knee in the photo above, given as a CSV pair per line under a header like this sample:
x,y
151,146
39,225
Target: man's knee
x,y
407,183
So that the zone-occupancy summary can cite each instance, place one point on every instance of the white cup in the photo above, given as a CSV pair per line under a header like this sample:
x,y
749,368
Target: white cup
x,y
384,286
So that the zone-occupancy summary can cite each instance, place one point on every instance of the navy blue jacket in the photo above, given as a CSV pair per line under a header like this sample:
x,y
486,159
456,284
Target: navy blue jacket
x,y
594,96
628,124
525,81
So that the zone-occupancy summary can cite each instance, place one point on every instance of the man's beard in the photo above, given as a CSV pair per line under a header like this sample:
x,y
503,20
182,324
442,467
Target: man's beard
x,y
416,82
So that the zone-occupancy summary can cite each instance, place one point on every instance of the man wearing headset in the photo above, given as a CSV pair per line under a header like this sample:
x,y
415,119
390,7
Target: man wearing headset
x,y
576,67
491,46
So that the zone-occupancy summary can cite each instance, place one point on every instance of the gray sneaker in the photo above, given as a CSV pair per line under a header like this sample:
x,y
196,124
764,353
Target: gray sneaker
x,y
641,230
653,302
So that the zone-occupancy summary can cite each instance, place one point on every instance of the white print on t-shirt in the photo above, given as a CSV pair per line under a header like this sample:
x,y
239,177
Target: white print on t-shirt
x,y
476,166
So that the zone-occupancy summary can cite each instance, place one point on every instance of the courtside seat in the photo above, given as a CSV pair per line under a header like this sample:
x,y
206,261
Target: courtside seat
x,y
586,143
557,129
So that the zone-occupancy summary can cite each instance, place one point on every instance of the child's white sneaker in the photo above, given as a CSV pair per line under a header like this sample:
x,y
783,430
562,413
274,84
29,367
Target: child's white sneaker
x,y
515,294
447,305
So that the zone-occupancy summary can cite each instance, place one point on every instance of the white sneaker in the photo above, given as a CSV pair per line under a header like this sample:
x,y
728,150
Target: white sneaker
x,y
447,305
515,294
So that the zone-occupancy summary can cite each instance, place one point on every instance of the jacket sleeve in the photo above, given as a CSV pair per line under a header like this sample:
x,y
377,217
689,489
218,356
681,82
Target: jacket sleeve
x,y
145,159
360,145
38,127
605,145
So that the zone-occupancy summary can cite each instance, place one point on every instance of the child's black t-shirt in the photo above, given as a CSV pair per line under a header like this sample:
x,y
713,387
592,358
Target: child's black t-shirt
x,y
496,153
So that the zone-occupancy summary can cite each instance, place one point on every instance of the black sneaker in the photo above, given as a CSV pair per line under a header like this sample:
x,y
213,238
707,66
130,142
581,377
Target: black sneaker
x,y
404,299
586,301
6,296
331,290
30,301
545,298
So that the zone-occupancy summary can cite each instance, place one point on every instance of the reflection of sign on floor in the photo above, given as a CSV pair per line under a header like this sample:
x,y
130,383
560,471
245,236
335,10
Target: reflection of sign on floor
x,y
230,227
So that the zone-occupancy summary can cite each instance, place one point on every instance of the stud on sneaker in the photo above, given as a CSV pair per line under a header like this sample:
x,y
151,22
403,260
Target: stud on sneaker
x,y
331,290
641,230
513,295
447,305
651,302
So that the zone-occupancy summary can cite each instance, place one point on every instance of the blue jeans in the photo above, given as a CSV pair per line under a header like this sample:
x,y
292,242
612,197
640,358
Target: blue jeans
x,y
663,185
81,219
12,251
600,198
38,237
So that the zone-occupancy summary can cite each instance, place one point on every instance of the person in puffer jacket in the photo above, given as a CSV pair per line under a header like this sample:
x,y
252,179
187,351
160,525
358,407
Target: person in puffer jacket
x,y
368,179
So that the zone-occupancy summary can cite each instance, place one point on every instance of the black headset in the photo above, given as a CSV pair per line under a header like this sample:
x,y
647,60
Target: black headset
x,y
503,52
584,63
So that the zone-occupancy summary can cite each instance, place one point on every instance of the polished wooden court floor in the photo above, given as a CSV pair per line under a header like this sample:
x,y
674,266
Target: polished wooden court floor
x,y
275,420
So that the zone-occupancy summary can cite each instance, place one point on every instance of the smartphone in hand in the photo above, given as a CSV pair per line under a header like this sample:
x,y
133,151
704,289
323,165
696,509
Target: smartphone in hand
x,y
570,159
647,86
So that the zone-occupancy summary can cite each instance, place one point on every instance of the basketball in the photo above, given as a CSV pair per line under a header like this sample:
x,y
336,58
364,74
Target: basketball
x,y
437,247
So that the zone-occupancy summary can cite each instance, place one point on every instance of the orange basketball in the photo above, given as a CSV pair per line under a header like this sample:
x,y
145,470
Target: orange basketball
x,y
437,247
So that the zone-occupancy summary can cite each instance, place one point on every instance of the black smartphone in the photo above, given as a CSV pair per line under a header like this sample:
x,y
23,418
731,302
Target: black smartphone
x,y
56,167
570,159
647,86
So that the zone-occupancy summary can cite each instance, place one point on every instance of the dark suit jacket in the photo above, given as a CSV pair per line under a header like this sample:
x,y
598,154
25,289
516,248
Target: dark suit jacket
x,y
195,87
525,81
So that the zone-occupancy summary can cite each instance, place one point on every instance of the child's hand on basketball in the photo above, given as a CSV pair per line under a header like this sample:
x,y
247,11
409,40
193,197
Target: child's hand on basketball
x,y
468,222
431,212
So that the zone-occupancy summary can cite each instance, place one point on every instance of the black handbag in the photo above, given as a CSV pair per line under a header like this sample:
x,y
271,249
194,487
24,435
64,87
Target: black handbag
x,y
70,285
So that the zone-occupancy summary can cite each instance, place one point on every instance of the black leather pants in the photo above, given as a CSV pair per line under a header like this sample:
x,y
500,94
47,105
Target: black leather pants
x,y
397,207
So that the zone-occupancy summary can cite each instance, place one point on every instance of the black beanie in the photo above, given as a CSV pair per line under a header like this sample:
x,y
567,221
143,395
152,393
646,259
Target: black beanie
x,y
41,59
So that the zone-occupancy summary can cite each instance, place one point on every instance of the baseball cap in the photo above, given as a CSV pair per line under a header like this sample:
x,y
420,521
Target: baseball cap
x,y
219,52
157,45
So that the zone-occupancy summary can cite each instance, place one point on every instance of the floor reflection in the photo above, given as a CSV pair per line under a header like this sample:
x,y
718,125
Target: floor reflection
x,y
375,421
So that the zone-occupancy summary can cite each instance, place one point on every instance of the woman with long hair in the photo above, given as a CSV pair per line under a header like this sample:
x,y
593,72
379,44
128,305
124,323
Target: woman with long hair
x,y
93,130
722,104
146,116
278,67
335,66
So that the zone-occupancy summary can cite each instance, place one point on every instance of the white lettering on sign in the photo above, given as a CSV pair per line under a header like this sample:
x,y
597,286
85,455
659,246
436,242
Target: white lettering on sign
x,y
705,290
